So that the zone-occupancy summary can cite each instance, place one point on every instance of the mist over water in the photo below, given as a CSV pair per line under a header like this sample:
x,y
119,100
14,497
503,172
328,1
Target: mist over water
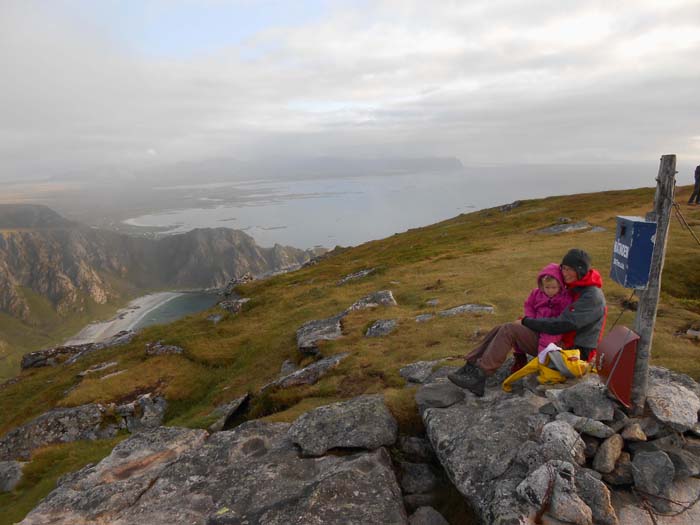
x,y
351,210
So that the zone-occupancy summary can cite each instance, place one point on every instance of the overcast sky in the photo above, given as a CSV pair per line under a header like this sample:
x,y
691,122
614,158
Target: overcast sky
x,y
99,85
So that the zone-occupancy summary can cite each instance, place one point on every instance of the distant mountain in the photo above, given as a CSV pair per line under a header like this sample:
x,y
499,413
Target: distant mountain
x,y
69,263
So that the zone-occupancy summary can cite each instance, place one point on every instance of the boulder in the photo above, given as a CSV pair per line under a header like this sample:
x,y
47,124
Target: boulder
x,y
380,298
477,442
622,473
10,475
419,371
229,287
467,308
634,432
653,474
252,474
362,422
553,484
69,354
381,328
312,332
426,516
588,399
567,227
59,425
586,425
608,454
97,368
147,411
685,464
424,318
438,395
416,478
227,411
309,374
674,405
355,276
416,449
664,376
560,441
596,495
159,348
234,306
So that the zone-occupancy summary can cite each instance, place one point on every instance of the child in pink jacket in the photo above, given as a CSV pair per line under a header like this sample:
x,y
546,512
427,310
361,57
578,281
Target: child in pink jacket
x,y
549,299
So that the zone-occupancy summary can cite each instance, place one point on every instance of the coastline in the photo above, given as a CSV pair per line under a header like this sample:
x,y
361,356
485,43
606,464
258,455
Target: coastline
x,y
126,318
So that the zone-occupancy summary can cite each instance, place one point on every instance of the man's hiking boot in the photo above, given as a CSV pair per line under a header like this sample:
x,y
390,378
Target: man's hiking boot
x,y
470,377
519,361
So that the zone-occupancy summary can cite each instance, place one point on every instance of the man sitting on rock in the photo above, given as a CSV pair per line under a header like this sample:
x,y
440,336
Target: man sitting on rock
x,y
585,316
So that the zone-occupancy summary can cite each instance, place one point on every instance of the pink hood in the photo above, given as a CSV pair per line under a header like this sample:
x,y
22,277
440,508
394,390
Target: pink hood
x,y
539,305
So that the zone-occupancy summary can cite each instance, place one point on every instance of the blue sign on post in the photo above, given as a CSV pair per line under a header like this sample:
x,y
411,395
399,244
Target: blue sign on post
x,y
634,245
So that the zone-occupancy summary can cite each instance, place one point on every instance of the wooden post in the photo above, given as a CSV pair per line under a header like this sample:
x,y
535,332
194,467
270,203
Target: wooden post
x,y
649,298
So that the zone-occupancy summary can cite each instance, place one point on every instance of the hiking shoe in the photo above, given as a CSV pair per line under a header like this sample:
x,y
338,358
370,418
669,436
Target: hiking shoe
x,y
470,377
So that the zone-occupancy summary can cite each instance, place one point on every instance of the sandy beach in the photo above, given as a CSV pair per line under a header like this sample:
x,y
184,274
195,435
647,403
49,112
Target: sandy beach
x,y
126,318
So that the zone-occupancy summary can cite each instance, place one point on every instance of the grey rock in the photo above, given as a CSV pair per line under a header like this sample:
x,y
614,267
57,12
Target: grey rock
x,y
287,368
381,328
634,432
69,354
596,495
597,229
227,411
586,425
229,287
10,475
380,298
555,398
416,478
215,318
467,308
564,502
355,276
424,318
664,443
561,442
686,464
477,442
59,425
312,332
97,368
438,395
362,422
419,371
652,427
592,445
674,405
416,449
251,474
509,207
608,454
564,228
426,516
309,374
622,473
432,302
234,306
549,409
416,501
147,411
661,375
440,375
653,474
159,348
588,399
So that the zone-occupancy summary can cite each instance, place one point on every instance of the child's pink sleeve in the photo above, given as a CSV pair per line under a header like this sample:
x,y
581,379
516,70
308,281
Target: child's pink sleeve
x,y
530,303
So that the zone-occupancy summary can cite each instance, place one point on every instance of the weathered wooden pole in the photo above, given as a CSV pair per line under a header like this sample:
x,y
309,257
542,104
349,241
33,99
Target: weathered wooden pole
x,y
649,298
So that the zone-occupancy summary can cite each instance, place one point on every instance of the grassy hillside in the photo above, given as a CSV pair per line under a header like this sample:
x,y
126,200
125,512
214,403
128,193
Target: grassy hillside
x,y
486,257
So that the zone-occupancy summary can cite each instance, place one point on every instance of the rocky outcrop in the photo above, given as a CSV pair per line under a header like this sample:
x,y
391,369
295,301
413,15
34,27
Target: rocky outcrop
x,y
467,309
565,227
380,298
381,328
71,353
160,348
59,425
312,332
356,276
575,468
227,412
234,306
10,475
309,374
363,422
252,474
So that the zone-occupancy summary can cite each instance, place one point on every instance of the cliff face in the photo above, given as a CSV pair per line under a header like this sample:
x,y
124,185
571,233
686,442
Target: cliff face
x,y
69,263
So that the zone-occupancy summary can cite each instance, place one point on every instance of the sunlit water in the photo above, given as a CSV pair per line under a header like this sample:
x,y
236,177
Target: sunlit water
x,y
352,210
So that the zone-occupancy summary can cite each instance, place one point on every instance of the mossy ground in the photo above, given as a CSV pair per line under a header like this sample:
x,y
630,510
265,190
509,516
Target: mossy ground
x,y
487,256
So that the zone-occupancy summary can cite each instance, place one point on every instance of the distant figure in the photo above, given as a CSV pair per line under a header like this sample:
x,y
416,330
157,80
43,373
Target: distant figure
x,y
696,190
585,316
549,299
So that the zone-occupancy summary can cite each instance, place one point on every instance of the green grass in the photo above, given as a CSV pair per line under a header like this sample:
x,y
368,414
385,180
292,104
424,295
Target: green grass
x,y
486,257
